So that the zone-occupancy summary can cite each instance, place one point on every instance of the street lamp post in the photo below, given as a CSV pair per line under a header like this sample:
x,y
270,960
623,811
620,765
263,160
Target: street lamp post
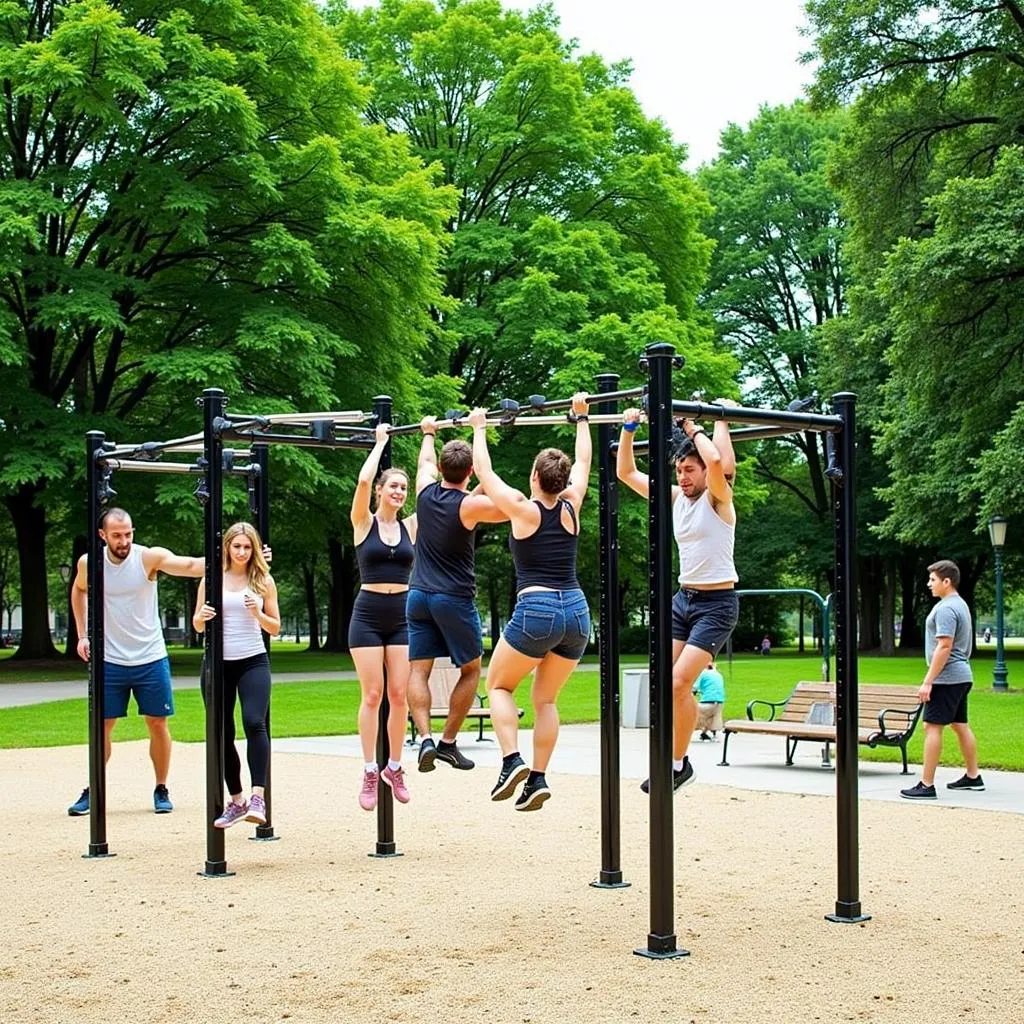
x,y
997,533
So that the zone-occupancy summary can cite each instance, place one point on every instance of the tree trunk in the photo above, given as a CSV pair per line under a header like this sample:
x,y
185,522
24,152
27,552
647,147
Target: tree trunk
x,y
911,637
971,570
79,546
192,638
341,593
492,600
312,608
888,634
800,642
30,528
868,613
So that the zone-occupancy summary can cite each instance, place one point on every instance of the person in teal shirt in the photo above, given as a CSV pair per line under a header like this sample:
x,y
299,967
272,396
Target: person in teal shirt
x,y
709,690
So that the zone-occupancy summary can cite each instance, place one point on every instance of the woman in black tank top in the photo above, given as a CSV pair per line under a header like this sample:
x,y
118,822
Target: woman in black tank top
x,y
550,626
378,637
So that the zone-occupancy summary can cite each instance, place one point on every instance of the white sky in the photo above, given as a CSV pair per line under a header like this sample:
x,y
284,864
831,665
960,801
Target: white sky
x,y
697,64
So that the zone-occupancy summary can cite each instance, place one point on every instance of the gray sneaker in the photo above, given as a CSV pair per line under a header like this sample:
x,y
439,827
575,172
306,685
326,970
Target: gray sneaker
x,y
232,813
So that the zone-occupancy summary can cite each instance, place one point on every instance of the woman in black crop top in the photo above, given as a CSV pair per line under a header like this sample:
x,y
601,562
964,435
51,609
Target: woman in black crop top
x,y
378,637
550,627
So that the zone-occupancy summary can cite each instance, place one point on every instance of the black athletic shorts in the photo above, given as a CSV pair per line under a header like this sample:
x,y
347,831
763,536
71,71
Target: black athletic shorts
x,y
947,704
378,620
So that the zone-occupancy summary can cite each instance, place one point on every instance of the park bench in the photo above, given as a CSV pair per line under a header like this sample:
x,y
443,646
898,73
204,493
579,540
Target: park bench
x,y
441,682
887,717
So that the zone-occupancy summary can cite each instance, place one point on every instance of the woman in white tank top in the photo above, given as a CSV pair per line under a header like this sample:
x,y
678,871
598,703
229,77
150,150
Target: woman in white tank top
x,y
705,609
250,609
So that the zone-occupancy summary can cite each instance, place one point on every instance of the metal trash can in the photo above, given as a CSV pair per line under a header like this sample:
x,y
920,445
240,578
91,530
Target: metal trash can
x,y
635,698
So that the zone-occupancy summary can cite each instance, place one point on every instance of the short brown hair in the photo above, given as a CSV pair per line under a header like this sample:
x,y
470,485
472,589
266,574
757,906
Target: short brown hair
x,y
553,468
946,570
456,461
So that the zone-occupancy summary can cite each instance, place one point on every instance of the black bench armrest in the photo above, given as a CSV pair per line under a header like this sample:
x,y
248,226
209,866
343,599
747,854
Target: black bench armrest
x,y
910,716
767,704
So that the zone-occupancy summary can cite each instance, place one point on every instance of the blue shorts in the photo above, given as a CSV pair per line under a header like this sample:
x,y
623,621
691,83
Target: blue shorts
x,y
150,683
550,621
443,626
704,618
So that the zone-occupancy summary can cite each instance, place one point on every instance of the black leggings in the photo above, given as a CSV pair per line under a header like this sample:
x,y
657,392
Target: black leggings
x,y
249,679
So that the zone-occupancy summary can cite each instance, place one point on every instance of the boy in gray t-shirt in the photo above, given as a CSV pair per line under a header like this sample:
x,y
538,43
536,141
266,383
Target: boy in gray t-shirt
x,y
949,634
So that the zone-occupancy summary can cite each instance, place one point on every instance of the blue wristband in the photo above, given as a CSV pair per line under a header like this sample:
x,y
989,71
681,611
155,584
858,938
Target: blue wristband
x,y
630,428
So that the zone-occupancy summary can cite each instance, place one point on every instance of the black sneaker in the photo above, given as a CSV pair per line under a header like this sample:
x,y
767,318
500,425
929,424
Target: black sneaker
x,y
425,760
533,795
680,778
918,792
510,777
966,782
450,754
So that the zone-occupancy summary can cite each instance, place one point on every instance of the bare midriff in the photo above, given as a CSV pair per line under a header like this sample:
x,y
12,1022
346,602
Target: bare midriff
x,y
727,585
385,588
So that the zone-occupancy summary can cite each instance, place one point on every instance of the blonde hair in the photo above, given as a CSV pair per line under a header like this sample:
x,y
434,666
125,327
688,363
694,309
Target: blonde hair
x,y
258,570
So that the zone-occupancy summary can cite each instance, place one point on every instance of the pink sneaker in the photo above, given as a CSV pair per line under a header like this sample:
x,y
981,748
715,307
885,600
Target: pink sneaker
x,y
232,813
368,793
396,780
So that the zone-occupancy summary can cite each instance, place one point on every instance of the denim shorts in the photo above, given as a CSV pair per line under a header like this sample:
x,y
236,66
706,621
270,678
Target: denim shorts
x,y
550,621
704,618
443,626
151,684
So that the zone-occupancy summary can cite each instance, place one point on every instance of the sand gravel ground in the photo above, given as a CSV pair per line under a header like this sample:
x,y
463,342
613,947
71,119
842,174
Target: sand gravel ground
x,y
488,916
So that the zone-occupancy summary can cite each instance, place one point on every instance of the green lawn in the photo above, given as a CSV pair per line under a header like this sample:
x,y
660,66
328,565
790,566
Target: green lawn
x,y
327,708
288,657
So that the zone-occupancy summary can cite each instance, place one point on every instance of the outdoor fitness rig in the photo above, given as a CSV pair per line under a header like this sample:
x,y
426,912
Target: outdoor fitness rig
x,y
661,410
103,459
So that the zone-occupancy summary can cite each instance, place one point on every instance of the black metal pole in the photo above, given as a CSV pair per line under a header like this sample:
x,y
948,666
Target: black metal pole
x,y
213,660
608,638
1000,674
94,631
848,909
661,941
385,846
260,457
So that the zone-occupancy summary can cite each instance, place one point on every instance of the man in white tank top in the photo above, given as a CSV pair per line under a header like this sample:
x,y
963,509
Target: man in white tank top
x,y
705,608
135,657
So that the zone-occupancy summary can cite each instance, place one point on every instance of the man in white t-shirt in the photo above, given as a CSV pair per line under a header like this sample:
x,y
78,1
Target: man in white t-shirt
x,y
135,656
705,608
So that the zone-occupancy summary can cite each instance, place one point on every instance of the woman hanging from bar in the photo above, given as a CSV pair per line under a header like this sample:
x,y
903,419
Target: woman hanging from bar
x,y
250,610
378,636
550,626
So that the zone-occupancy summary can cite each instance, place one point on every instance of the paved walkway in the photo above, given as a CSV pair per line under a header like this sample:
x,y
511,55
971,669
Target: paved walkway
x,y
755,762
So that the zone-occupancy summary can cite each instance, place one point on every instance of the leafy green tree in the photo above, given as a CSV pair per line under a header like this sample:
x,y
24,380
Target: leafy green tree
x,y
187,197
576,240
937,89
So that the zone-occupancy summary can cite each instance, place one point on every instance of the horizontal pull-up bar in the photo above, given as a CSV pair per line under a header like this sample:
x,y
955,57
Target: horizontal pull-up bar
x,y
540,403
743,434
180,468
362,442
511,421
773,417
297,418
148,449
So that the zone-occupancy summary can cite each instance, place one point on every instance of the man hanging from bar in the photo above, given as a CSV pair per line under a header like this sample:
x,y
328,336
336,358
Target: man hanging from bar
x,y
705,608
